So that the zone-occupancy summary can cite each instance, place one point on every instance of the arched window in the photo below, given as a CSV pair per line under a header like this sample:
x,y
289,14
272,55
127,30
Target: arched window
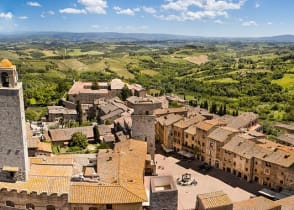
x,y
50,207
4,79
30,206
10,203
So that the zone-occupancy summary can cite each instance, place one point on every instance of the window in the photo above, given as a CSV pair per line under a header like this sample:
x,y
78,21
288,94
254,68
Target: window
x,y
50,207
92,208
30,206
186,136
5,79
281,181
246,169
10,203
193,138
78,208
108,206
267,164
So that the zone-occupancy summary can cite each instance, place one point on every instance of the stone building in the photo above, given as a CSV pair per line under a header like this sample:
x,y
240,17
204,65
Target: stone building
x,y
163,193
62,137
57,113
215,141
262,161
178,131
163,128
213,201
83,92
13,146
220,201
203,129
247,120
143,120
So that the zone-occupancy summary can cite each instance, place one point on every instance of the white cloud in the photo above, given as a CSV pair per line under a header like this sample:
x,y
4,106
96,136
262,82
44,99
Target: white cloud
x,y
72,11
23,17
269,23
6,16
46,13
257,5
127,11
185,9
249,23
149,10
34,4
182,5
94,6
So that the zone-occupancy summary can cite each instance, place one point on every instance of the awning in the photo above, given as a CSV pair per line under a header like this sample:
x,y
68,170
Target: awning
x,y
166,149
10,169
186,154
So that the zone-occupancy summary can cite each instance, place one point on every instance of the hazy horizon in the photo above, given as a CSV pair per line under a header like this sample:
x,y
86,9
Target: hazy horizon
x,y
205,18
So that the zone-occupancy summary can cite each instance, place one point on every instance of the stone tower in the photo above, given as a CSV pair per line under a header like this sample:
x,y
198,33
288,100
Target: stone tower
x,y
143,120
13,145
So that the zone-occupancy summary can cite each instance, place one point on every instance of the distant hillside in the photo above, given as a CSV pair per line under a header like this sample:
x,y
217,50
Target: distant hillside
x,y
67,37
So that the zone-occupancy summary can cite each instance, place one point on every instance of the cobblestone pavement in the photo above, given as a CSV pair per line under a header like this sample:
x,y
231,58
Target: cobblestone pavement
x,y
214,180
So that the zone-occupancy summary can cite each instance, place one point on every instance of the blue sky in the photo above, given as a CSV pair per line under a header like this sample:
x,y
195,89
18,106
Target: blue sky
x,y
231,18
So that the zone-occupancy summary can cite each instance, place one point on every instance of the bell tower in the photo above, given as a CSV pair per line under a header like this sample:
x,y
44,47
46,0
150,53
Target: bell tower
x,y
13,143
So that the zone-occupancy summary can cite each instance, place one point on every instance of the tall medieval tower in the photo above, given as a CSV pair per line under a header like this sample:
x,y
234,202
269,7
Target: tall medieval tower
x,y
14,164
143,120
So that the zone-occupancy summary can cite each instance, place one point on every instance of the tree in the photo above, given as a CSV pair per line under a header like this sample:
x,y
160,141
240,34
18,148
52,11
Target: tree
x,y
79,139
80,113
125,93
96,134
225,109
94,85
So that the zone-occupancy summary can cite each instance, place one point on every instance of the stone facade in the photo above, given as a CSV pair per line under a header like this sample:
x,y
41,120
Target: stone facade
x,y
143,120
21,200
13,146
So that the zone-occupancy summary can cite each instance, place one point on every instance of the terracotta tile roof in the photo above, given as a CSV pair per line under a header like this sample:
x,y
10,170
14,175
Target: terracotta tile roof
x,y
31,140
288,138
185,123
125,167
56,160
289,127
53,174
191,130
45,147
221,134
51,170
39,184
114,113
242,120
102,194
214,199
244,147
66,133
169,119
208,124
257,203
165,111
85,87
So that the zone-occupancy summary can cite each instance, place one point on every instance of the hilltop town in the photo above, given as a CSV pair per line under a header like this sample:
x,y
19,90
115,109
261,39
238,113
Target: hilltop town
x,y
111,145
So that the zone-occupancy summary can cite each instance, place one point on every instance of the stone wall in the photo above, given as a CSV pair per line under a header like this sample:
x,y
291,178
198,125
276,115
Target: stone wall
x,y
13,145
40,201
143,128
